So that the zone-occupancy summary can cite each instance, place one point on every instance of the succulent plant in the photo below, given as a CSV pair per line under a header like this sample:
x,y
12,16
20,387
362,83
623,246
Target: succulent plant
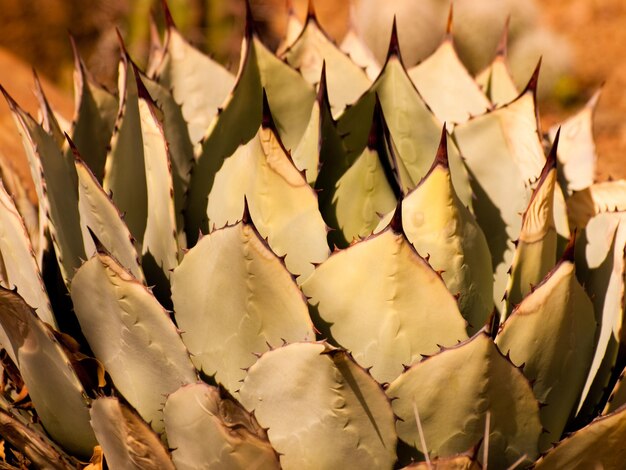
x,y
302,267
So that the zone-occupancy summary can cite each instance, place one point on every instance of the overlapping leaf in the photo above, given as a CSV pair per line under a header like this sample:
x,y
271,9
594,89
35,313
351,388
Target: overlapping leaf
x,y
413,130
234,298
55,181
131,334
535,250
442,229
320,408
198,83
552,332
17,261
127,441
446,85
601,268
94,118
452,406
384,303
282,204
53,385
99,214
577,150
346,80
204,426
598,445
504,156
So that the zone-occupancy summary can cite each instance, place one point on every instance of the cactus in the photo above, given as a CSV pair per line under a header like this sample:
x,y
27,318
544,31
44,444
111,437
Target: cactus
x,y
306,267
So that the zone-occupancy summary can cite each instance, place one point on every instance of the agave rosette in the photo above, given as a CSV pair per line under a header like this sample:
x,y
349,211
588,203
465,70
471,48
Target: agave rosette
x,y
302,266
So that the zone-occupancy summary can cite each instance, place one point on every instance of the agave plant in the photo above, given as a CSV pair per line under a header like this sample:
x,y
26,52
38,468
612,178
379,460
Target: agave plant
x,y
305,267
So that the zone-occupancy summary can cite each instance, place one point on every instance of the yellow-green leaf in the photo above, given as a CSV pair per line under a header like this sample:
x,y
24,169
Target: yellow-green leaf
x,y
384,303
444,231
598,445
452,392
535,251
282,204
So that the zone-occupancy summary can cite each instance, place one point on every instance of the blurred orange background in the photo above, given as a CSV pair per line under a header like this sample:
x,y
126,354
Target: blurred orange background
x,y
35,34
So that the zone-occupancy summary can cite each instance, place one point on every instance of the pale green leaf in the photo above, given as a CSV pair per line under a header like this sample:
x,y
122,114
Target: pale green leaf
x,y
33,217
321,410
496,79
127,441
160,240
504,157
125,167
48,119
206,428
234,298
131,334
55,172
552,332
179,146
346,80
99,214
577,150
601,268
414,130
384,303
17,261
446,85
452,392
94,118
198,83
237,123
285,87
608,196
354,189
53,386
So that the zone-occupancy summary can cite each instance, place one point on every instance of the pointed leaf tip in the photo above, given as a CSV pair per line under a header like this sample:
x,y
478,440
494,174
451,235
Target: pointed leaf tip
x,y
249,29
322,92
442,151
100,248
502,48
246,219
167,14
551,161
376,127
450,21
310,12
569,252
268,120
396,221
394,44
73,147
534,79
